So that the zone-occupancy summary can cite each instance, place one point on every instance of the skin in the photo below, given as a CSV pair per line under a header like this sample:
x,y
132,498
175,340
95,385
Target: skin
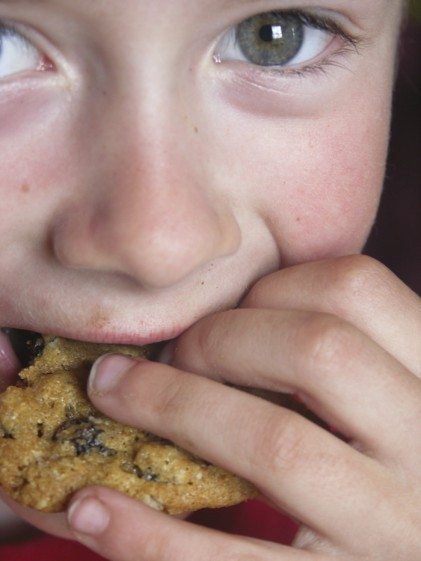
x,y
150,191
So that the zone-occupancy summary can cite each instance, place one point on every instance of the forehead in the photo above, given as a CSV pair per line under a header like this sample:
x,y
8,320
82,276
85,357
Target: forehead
x,y
145,3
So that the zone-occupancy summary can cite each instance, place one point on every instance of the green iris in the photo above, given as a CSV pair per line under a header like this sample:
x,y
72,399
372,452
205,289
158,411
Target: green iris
x,y
270,39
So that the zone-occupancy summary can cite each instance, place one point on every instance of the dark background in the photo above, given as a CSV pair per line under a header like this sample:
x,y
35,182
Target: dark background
x,y
396,236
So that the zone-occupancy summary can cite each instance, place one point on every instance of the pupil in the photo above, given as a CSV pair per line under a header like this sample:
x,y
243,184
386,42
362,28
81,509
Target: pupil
x,y
270,33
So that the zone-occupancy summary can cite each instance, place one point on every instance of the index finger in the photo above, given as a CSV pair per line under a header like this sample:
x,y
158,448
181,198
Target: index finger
x,y
355,288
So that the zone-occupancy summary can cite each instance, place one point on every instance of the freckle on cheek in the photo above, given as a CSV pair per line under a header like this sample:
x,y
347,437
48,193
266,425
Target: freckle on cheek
x,y
25,188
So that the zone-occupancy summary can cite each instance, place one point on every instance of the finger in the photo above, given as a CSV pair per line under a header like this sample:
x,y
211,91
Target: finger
x,y
356,288
339,372
122,529
299,466
50,523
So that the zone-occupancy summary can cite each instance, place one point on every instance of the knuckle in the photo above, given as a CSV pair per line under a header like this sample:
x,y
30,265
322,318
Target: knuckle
x,y
324,344
241,555
235,549
281,446
355,276
155,548
168,399
160,549
160,393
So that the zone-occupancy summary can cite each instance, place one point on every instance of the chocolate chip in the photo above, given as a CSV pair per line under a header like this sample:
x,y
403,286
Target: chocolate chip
x,y
84,435
149,475
134,469
128,467
70,411
40,430
5,433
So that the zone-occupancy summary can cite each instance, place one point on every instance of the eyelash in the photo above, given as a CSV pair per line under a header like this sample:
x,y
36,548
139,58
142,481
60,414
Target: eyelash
x,y
320,22
351,45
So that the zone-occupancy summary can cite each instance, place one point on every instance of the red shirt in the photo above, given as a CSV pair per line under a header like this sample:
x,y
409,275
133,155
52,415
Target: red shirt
x,y
253,519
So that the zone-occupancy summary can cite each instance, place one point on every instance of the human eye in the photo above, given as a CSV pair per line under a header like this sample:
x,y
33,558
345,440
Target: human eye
x,y
17,54
290,41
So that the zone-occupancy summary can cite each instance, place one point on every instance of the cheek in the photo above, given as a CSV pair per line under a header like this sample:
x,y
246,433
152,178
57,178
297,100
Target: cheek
x,y
316,183
329,214
34,160
333,200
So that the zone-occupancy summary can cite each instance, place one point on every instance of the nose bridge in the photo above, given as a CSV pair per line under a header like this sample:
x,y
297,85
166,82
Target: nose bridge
x,y
156,216
161,201
151,115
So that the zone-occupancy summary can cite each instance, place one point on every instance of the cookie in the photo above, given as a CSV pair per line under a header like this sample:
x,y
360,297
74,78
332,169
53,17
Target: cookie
x,y
54,442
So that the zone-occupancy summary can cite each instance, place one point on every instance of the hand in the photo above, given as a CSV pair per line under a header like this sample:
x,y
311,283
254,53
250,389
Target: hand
x,y
344,335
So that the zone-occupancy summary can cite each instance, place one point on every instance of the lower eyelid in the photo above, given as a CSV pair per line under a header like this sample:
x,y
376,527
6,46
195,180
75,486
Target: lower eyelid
x,y
278,98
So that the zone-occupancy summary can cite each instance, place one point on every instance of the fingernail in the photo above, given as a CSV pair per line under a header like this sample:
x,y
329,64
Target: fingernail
x,y
88,516
107,371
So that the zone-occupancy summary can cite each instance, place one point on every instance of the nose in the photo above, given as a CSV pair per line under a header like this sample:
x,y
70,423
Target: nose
x,y
149,211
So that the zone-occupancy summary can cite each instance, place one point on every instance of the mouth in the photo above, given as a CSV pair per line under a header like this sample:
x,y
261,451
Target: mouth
x,y
20,347
26,345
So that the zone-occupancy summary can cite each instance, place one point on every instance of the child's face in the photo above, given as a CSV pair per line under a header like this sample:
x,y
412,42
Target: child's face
x,y
149,175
